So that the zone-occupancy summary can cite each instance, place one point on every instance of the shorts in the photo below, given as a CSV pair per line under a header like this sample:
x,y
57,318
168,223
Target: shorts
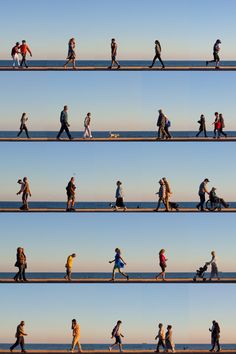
x,y
118,339
70,197
163,267
216,56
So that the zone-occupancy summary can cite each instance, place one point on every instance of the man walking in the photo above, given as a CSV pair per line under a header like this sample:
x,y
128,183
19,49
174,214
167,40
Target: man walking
x,y
215,336
157,55
202,126
76,336
64,123
222,125
70,191
117,335
168,194
161,123
69,264
25,190
20,333
114,54
162,194
216,50
24,48
202,191
161,338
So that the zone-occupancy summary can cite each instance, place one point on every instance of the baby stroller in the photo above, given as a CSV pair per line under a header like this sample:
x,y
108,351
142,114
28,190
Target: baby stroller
x,y
200,273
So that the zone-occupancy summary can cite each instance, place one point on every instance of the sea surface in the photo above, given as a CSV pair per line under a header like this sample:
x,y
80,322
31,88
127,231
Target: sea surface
x,y
95,205
106,275
106,134
99,63
144,346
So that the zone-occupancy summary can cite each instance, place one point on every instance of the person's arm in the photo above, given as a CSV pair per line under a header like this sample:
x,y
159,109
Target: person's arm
x,y
122,335
112,261
123,260
28,49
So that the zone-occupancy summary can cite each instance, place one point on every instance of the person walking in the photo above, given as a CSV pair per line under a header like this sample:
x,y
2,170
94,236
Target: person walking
x,y
64,123
25,191
161,123
217,126
202,126
76,336
162,195
20,334
161,338
117,335
87,130
167,126
167,194
21,264
15,55
214,268
23,125
216,58
162,264
119,197
68,265
70,191
201,192
169,340
119,263
222,125
24,49
114,54
71,56
157,55
215,336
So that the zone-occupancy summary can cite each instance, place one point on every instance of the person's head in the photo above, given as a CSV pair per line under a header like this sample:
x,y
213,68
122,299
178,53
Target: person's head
x,y
206,180
65,108
17,44
119,322
216,114
23,41
202,116
213,253
156,41
162,251
213,189
160,111
73,255
19,249
218,41
117,250
19,181
221,115
23,114
72,179
22,323
89,114
160,325
113,40
118,183
213,322
25,179
164,179
74,321
169,327
161,182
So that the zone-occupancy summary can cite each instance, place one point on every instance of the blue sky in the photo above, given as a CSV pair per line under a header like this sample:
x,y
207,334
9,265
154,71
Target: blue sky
x,y
48,310
98,166
94,237
117,101
185,31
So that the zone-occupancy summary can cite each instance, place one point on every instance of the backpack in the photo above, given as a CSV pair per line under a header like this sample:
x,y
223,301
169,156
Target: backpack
x,y
168,123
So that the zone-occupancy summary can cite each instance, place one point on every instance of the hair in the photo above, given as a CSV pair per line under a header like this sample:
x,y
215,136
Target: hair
x,y
117,250
74,320
216,113
118,182
73,255
119,322
113,39
162,251
160,325
65,107
72,178
23,41
88,114
25,179
213,253
23,114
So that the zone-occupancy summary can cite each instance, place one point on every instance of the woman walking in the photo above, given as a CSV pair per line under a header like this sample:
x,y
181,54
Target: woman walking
x,y
119,263
23,126
222,125
202,126
169,340
20,264
71,56
119,197
162,264
87,130
214,268
217,126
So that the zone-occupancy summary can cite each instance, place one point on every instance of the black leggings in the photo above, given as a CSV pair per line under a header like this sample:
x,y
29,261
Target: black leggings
x,y
23,61
157,56
23,127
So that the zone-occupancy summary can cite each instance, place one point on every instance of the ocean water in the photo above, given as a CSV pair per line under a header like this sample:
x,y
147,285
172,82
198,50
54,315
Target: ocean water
x,y
144,346
95,205
106,134
106,275
104,63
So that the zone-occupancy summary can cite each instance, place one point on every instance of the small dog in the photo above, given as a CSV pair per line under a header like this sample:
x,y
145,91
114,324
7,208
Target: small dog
x,y
114,136
174,206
